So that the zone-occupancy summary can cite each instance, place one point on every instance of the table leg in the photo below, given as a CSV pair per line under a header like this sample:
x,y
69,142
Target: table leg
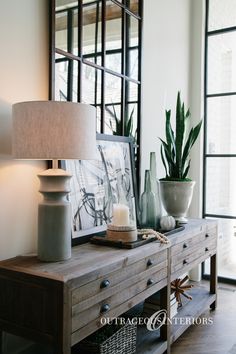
x,y
213,279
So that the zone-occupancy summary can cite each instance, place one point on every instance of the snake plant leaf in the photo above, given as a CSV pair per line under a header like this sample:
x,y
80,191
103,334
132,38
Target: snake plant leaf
x,y
193,135
187,147
167,152
163,160
179,135
168,157
187,115
186,170
169,133
129,124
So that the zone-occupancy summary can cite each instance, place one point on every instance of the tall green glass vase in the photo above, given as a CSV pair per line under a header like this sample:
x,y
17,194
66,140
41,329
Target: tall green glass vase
x,y
148,205
155,186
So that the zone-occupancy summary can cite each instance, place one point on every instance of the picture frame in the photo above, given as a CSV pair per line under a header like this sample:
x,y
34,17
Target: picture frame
x,y
97,184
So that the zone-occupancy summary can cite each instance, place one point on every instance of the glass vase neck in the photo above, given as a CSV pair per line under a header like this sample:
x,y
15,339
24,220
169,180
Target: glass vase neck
x,y
147,187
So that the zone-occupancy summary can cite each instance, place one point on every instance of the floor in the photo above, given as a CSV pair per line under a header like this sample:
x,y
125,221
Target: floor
x,y
218,338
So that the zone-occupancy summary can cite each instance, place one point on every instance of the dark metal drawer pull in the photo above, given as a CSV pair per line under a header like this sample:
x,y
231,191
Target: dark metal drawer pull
x,y
185,245
207,235
105,308
184,261
149,263
104,284
150,282
206,249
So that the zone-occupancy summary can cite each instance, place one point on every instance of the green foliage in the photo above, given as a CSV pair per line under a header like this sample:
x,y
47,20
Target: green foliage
x,y
176,149
128,123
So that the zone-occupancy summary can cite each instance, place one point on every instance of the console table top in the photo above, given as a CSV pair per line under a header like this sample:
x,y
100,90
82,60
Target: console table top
x,y
93,260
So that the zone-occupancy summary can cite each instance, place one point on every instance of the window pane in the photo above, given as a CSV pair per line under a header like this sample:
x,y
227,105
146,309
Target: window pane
x,y
113,119
132,92
131,106
113,36
113,103
91,85
61,78
92,31
88,1
99,128
66,27
221,125
221,67
221,186
226,249
75,81
112,89
221,14
133,5
61,30
133,40
66,79
65,4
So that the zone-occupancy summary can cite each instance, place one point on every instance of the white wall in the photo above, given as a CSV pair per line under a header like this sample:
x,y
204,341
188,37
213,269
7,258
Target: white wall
x,y
165,68
23,76
196,100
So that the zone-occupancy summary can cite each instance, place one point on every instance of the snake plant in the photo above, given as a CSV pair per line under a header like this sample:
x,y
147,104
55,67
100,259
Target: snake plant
x,y
176,149
128,124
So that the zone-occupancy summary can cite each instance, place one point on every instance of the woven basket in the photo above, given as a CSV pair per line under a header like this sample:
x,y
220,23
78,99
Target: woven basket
x,y
123,341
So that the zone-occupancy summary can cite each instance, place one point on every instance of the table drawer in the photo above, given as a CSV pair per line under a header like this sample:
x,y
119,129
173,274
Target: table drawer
x,y
188,245
200,252
102,286
81,316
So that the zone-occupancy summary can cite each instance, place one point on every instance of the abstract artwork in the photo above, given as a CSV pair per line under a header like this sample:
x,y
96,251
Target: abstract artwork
x,y
97,184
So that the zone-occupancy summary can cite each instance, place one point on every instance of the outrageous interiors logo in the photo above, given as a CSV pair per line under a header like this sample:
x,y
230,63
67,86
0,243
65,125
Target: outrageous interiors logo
x,y
157,320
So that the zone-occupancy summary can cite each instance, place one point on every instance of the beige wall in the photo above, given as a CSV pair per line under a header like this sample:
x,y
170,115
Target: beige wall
x,y
23,76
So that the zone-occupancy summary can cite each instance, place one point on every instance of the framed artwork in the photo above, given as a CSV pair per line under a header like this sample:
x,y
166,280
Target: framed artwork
x,y
97,184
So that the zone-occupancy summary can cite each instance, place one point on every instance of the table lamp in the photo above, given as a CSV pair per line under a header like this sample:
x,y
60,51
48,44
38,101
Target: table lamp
x,y
49,130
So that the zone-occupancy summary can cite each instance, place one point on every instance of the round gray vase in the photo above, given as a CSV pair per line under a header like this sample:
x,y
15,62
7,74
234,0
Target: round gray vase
x,y
176,198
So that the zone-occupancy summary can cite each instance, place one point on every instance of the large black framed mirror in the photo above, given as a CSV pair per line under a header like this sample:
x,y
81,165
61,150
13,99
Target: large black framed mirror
x,y
95,58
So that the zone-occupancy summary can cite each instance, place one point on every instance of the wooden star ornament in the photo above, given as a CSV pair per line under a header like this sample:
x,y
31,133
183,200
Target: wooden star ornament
x,y
179,287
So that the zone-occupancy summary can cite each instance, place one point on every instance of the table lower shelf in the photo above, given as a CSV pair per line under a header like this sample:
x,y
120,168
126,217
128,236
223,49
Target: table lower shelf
x,y
150,342
201,300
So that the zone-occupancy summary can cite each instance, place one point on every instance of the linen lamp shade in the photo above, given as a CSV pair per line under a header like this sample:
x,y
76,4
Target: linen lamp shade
x,y
53,130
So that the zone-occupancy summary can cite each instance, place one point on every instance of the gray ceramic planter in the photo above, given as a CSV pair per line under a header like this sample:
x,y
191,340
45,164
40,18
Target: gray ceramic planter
x,y
176,198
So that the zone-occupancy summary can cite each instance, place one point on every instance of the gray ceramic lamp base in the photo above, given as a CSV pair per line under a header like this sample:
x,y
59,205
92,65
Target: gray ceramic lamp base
x,y
54,216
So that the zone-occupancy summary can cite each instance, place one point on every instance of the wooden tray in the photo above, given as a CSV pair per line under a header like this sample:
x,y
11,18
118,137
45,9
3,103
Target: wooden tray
x,y
101,240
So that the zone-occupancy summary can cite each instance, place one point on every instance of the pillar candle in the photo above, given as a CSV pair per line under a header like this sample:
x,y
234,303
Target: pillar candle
x,y
120,215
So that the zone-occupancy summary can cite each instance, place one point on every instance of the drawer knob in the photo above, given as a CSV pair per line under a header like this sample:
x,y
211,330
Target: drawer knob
x,y
206,249
185,245
150,282
149,263
184,261
207,235
104,284
105,308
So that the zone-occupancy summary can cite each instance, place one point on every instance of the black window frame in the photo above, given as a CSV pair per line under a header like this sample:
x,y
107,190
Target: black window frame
x,y
83,59
206,155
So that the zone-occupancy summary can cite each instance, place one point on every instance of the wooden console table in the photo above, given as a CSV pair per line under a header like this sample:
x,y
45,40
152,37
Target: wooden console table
x,y
62,303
